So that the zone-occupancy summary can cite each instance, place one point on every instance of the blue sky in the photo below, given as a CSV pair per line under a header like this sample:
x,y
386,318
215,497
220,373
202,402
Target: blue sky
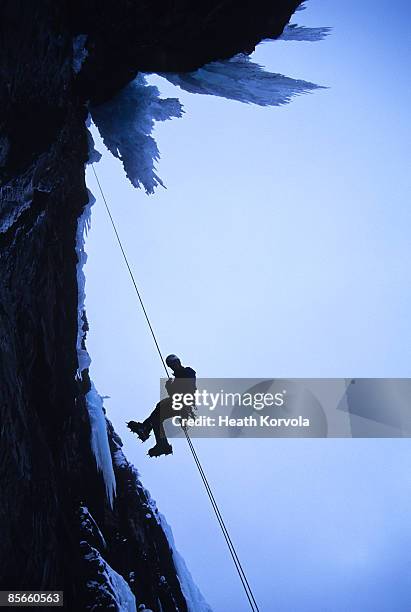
x,y
280,248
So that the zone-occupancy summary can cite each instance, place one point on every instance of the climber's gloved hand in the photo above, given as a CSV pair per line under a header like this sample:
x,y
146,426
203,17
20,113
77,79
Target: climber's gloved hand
x,y
169,382
133,426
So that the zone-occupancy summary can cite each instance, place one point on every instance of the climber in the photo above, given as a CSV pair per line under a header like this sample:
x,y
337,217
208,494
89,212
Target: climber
x,y
184,382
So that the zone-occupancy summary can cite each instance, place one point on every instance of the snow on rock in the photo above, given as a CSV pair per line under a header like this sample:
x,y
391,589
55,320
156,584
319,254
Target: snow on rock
x,y
89,527
109,589
240,79
83,226
10,211
194,598
296,32
126,122
119,457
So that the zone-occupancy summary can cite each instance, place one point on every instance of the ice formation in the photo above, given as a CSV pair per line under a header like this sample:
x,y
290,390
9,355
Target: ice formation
x,y
126,123
296,32
99,441
99,438
83,226
241,79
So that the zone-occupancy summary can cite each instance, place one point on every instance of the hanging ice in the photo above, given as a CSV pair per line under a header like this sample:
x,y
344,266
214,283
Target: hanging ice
x,y
296,32
125,124
240,79
99,441
83,225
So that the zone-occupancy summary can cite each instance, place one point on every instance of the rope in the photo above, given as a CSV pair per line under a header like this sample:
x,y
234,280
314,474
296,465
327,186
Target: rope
x,y
131,273
241,573
230,545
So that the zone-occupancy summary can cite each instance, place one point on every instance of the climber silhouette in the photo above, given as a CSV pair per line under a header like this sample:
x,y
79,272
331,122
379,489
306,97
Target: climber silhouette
x,y
184,382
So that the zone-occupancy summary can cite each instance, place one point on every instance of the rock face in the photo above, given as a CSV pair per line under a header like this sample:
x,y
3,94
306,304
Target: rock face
x,y
58,529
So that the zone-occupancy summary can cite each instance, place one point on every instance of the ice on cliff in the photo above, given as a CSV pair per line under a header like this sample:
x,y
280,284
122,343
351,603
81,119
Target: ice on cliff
x,y
241,79
126,123
99,439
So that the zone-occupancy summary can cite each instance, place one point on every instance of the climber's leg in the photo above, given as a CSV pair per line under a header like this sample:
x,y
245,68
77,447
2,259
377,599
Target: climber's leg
x,y
154,421
163,410
140,429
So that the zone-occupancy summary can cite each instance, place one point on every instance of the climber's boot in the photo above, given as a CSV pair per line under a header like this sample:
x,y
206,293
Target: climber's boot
x,y
161,448
140,429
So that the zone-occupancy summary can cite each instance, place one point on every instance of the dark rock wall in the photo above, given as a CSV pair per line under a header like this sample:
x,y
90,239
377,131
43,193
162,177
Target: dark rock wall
x,y
43,430
47,470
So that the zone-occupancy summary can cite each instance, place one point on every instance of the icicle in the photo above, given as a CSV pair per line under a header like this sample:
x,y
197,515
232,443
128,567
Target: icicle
x,y
241,79
126,123
296,32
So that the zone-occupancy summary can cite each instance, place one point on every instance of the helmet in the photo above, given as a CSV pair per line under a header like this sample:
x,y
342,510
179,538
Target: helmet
x,y
171,359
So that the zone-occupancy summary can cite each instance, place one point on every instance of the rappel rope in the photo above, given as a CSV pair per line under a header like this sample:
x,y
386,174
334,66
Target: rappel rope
x,y
248,591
